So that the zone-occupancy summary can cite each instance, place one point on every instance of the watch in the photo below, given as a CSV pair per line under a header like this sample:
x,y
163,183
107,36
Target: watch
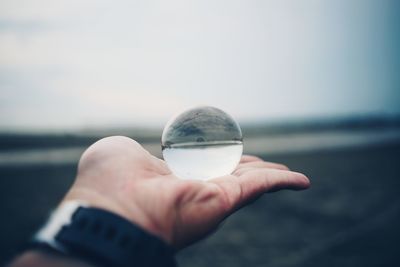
x,y
102,237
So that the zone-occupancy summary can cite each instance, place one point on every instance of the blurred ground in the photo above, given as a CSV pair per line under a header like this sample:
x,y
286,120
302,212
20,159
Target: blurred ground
x,y
349,217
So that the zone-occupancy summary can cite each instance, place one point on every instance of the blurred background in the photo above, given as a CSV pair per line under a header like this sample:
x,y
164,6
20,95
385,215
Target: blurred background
x,y
314,85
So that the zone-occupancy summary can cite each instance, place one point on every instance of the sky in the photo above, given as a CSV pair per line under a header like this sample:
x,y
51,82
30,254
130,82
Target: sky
x,y
80,64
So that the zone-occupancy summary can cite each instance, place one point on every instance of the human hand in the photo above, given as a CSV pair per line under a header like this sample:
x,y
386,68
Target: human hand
x,y
119,175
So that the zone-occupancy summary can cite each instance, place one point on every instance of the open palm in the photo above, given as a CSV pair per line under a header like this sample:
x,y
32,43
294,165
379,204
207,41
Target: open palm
x,y
118,174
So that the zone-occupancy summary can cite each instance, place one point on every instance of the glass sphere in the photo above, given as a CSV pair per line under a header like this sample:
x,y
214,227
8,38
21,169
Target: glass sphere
x,y
202,143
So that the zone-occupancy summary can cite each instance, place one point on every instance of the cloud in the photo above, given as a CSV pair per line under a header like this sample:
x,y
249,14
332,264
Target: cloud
x,y
116,63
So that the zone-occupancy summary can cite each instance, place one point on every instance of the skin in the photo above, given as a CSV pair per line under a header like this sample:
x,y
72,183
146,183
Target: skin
x,y
119,175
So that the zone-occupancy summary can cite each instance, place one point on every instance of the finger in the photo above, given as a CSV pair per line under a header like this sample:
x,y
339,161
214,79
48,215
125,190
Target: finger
x,y
267,180
160,166
262,164
253,183
249,158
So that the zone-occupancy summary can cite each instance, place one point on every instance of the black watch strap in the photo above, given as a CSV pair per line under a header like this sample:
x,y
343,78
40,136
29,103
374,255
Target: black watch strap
x,y
107,239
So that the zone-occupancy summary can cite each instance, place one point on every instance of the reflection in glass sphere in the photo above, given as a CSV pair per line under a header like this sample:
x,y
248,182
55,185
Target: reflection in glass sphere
x,y
202,143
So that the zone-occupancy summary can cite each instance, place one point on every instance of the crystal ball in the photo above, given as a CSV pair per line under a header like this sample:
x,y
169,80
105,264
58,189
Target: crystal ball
x,y
202,143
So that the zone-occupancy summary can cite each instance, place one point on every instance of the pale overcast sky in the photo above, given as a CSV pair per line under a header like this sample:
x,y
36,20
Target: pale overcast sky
x,y
78,64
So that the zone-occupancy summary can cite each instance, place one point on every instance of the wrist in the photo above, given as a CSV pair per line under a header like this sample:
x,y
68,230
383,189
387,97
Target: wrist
x,y
46,258
78,230
129,211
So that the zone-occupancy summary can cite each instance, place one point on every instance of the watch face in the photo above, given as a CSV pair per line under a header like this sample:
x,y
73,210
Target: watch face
x,y
103,237
61,217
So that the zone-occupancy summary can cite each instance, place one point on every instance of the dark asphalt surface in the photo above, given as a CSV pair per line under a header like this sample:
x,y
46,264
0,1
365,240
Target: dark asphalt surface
x,y
350,216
